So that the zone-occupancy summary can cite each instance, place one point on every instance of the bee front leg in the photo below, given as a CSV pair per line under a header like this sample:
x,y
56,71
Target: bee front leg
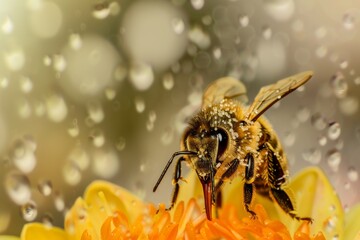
x,y
175,182
248,186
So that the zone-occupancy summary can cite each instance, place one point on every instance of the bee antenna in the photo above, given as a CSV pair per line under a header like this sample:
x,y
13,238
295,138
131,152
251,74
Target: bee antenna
x,y
168,165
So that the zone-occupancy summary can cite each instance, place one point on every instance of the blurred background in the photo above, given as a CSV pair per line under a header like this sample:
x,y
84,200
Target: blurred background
x,y
97,89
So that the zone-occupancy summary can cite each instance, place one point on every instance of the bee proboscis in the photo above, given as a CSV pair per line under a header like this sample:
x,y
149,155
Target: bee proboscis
x,y
226,139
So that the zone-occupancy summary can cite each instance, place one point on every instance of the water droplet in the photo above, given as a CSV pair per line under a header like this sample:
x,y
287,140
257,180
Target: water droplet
x,y
322,140
244,20
149,126
98,138
344,64
303,114
29,211
56,108
289,139
101,10
141,76
139,104
7,26
59,202
142,167
106,163
334,130
197,4
217,53
18,187
199,37
114,8
71,173
47,60
352,174
39,109
4,82
348,21
45,187
334,159
321,51
23,156
110,93
48,220
96,112
74,129
339,85
120,73
267,32
349,105
75,41
26,85
152,116
178,25
15,60
318,121
167,136
312,156
168,81
120,144
59,63
79,157
24,109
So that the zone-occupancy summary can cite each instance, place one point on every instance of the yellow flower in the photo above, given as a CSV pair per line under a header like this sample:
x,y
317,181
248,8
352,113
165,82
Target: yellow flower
x,y
110,212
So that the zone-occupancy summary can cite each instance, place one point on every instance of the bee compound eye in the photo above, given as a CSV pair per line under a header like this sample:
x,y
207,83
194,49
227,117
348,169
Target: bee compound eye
x,y
222,137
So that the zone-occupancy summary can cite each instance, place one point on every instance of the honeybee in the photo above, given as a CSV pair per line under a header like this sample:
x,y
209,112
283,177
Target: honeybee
x,y
228,139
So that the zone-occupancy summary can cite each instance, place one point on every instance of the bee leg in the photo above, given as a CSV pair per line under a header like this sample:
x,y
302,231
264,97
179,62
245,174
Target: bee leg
x,y
248,186
175,182
218,203
277,178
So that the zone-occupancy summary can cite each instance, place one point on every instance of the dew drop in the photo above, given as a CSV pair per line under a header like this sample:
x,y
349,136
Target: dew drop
x,y
334,159
348,21
56,108
321,51
344,64
312,156
59,202
167,136
40,109
96,112
152,116
79,157
59,63
15,60
141,76
178,25
149,125
23,156
199,37
197,4
318,121
120,73
352,174
244,20
139,105
48,220
26,85
120,144
101,10
74,129
168,81
71,174
110,93
18,187
7,26
303,114
267,32
45,187
98,138
322,140
114,8
29,211
217,53
334,131
47,60
289,138
4,82
349,105
75,41
106,163
339,85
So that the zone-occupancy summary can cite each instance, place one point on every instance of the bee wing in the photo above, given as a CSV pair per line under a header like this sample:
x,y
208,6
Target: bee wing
x,y
270,94
223,88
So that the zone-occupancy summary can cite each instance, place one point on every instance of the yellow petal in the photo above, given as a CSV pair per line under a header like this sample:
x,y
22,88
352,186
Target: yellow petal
x,y
9,238
101,199
38,231
352,220
315,197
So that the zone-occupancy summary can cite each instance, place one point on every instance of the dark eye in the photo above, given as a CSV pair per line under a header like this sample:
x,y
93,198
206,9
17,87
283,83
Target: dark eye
x,y
222,137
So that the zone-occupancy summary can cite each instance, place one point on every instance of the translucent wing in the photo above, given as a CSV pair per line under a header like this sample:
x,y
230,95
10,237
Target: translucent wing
x,y
270,94
222,88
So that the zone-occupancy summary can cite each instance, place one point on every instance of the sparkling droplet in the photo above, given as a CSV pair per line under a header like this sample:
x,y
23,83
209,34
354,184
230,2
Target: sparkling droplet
x,y
168,81
15,60
139,105
80,158
74,129
321,51
320,32
110,93
56,108
98,138
348,21
167,136
244,21
18,188
26,85
47,61
322,140
334,131
197,4
29,211
59,63
48,220
217,53
178,25
344,64
75,41
303,114
7,26
349,105
352,174
40,109
199,37
141,76
312,156
4,82
339,85
334,159
23,156
59,202
267,32
106,163
149,126
24,109
101,10
152,116
96,112
289,139
318,121
45,187
120,73
71,174
120,144
114,8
